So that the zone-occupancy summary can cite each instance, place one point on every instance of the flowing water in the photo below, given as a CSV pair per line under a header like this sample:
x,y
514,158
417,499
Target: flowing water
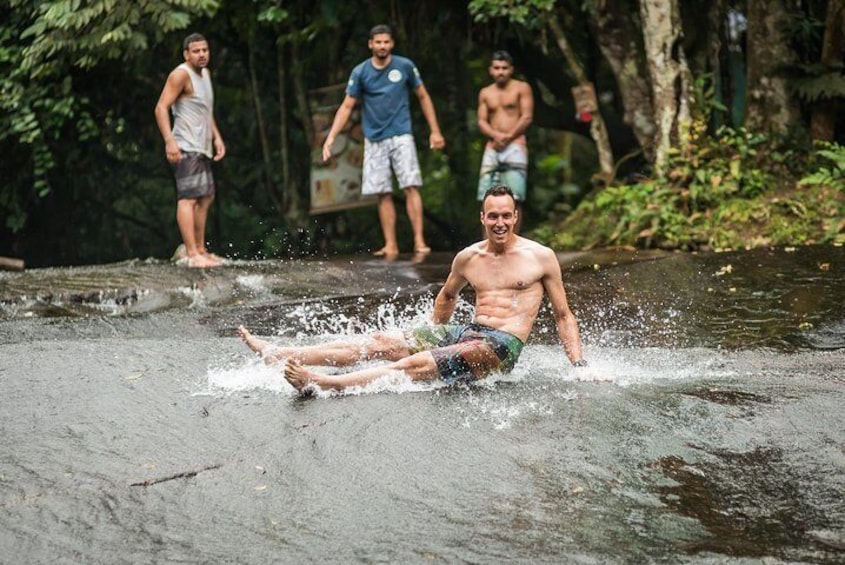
x,y
137,428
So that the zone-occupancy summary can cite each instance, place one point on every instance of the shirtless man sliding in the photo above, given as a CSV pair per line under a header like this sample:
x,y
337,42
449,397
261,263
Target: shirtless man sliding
x,y
505,110
510,275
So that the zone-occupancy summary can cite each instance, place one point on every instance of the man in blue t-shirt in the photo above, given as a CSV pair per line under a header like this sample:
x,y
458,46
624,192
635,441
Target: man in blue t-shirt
x,y
382,84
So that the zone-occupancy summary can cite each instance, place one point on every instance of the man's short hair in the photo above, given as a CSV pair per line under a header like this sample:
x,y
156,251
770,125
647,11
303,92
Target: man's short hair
x,y
380,29
502,55
193,38
498,190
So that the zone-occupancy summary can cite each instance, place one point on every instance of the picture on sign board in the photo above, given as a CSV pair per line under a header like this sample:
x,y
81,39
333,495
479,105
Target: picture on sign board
x,y
336,183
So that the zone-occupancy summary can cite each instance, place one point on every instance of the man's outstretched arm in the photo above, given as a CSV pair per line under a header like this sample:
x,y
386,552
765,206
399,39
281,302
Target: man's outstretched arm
x,y
565,322
435,139
340,119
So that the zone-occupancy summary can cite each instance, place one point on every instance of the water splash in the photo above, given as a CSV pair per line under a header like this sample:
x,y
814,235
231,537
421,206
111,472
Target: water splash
x,y
334,318
245,375
253,375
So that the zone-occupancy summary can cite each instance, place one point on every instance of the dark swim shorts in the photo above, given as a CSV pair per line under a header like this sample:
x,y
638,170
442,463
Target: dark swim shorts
x,y
193,176
467,352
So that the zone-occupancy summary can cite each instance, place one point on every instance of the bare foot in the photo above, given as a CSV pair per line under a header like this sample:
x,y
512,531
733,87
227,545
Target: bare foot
x,y
257,345
198,262
385,252
299,376
212,257
265,349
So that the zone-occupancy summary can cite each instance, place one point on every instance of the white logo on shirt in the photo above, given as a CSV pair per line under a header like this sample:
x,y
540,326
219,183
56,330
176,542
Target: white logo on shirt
x,y
395,75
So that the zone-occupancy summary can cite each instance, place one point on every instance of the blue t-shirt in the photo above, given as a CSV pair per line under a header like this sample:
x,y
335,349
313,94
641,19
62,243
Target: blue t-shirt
x,y
383,94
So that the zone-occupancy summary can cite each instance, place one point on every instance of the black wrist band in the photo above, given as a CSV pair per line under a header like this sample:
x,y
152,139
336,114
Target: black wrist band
x,y
580,363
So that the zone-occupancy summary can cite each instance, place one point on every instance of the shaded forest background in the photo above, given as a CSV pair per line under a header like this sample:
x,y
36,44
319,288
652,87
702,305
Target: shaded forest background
x,y
714,117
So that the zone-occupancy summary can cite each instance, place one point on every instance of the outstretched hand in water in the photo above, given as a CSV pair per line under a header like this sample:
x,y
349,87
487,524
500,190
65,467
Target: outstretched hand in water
x,y
590,373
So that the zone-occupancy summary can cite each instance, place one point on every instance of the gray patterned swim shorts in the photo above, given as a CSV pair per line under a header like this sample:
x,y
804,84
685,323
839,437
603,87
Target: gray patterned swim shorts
x,y
193,176
398,152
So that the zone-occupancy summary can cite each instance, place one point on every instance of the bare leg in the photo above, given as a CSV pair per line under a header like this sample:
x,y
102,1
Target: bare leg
x,y
337,354
387,218
186,220
200,217
414,207
418,367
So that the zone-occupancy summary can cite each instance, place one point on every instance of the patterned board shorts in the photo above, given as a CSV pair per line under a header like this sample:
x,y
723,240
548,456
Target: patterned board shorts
x,y
398,152
193,176
467,352
508,166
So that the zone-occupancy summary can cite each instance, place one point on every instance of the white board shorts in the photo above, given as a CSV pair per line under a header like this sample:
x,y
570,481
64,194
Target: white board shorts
x,y
397,153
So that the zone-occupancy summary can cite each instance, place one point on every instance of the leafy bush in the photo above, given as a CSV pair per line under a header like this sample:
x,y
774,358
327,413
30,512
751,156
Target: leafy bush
x,y
733,190
833,176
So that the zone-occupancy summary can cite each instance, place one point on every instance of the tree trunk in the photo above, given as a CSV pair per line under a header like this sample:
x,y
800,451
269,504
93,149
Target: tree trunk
x,y
262,130
771,108
823,119
11,264
290,196
618,39
715,31
598,131
297,215
670,77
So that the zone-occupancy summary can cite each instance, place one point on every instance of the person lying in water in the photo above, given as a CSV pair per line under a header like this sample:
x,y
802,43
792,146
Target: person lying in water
x,y
509,274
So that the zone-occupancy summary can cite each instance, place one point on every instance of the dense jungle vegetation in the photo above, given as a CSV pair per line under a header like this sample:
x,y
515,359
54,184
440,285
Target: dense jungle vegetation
x,y
720,123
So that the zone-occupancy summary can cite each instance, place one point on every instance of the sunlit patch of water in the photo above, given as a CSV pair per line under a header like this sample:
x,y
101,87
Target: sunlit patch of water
x,y
621,323
22,307
257,284
195,295
501,411
625,366
830,336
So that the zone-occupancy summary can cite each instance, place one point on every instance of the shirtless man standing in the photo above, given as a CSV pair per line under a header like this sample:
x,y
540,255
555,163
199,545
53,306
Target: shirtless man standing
x,y
505,110
510,275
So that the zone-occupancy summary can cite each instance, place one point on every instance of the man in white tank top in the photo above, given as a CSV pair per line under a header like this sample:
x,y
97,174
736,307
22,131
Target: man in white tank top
x,y
191,144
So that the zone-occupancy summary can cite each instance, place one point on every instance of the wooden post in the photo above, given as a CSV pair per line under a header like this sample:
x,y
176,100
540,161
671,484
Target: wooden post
x,y
10,264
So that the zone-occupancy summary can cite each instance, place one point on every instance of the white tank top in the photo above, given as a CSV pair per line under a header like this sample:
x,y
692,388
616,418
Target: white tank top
x,y
193,115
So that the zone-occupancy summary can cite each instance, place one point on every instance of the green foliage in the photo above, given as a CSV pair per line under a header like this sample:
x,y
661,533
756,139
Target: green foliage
x,y
559,173
831,175
528,13
273,15
724,166
706,99
87,32
819,82
732,191
83,176
42,111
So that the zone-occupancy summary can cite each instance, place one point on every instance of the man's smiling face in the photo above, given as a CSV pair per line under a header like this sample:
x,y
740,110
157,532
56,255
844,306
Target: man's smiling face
x,y
499,217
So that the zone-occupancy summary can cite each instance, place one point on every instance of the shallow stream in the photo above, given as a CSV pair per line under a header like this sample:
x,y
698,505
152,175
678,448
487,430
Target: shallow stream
x,y
136,428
